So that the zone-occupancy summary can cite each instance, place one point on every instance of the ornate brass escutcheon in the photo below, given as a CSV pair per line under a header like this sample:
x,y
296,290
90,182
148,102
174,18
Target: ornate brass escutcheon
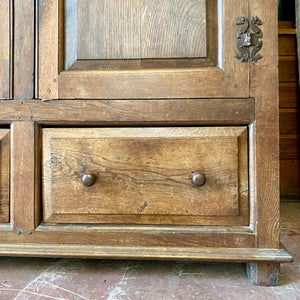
x,y
247,39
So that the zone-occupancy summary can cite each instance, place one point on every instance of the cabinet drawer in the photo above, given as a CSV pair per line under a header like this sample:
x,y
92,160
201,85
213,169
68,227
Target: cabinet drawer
x,y
4,175
143,175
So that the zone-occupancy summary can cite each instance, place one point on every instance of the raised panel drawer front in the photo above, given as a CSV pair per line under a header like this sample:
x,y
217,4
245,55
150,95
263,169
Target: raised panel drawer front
x,y
123,49
144,175
4,175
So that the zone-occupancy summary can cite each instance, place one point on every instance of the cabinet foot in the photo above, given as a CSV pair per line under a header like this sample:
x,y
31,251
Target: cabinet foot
x,y
264,273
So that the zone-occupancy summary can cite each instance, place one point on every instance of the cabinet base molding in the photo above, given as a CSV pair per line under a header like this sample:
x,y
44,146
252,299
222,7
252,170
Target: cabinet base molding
x,y
169,253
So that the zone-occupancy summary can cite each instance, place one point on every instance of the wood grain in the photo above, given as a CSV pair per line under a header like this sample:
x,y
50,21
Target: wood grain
x,y
5,72
24,176
48,41
264,87
228,79
4,175
174,253
266,274
121,112
24,65
140,29
148,172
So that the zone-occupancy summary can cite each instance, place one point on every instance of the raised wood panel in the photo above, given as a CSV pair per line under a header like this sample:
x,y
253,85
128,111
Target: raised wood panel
x,y
287,45
5,49
24,49
289,121
147,172
289,146
289,94
113,29
4,175
221,74
290,178
288,68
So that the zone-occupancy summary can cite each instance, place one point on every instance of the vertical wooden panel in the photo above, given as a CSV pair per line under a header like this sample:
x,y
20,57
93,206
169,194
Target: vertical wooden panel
x,y
264,87
173,28
24,175
108,29
5,49
48,49
4,175
24,49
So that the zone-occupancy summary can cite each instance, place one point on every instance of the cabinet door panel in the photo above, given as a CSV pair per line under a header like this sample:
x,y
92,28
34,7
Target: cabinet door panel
x,y
140,49
5,50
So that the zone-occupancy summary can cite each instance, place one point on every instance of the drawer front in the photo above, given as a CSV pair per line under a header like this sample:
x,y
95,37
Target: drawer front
x,y
4,175
143,175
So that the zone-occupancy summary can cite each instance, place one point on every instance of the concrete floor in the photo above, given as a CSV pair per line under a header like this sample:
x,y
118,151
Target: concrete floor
x,y
70,279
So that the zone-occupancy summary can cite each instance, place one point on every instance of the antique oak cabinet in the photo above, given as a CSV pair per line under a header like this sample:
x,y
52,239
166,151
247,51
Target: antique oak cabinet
x,y
142,129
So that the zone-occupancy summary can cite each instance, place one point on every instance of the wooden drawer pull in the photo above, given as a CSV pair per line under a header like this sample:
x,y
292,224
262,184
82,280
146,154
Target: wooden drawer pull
x,y
88,179
199,179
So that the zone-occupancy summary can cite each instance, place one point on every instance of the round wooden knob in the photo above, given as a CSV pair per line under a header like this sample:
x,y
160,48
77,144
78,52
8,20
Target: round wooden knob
x,y
88,179
199,179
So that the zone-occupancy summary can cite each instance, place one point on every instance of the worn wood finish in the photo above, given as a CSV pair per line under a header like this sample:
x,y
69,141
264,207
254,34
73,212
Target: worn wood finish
x,y
5,72
263,273
174,253
140,29
123,236
125,112
229,78
24,176
264,87
24,66
4,175
147,171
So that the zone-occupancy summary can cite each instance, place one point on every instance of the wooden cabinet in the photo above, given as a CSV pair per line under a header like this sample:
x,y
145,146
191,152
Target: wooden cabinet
x,y
151,132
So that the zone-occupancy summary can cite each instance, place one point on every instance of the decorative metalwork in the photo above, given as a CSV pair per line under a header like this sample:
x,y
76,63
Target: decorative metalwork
x,y
247,39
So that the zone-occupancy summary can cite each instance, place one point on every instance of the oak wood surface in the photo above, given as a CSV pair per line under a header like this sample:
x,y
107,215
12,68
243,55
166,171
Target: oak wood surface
x,y
24,176
229,78
263,273
120,112
4,175
147,171
140,29
264,87
189,253
24,65
5,71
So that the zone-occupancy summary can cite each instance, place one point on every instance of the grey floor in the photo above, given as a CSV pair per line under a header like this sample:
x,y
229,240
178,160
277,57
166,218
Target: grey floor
x,y
70,279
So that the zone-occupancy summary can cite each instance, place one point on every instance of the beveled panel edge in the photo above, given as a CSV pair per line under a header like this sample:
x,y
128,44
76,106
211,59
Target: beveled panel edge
x,y
216,111
160,253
